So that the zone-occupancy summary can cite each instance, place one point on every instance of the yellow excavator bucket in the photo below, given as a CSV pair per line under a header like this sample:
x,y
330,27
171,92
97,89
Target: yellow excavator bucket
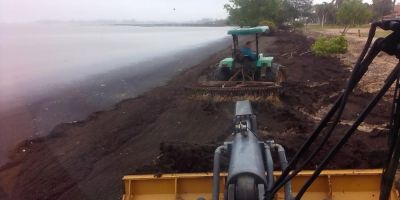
x,y
331,185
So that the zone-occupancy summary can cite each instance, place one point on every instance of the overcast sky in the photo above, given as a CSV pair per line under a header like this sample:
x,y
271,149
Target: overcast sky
x,y
141,10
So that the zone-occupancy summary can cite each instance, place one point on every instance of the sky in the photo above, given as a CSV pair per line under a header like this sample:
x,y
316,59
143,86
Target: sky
x,y
140,10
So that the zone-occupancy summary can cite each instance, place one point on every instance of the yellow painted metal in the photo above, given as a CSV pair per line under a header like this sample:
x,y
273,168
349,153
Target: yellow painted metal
x,y
331,185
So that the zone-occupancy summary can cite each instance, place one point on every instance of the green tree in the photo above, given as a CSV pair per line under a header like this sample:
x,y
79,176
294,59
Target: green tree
x,y
303,7
382,7
326,13
251,12
353,12
287,12
270,24
295,9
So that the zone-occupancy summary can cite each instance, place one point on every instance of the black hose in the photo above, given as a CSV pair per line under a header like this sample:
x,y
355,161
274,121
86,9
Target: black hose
x,y
388,45
338,108
395,106
284,163
333,110
389,81
390,166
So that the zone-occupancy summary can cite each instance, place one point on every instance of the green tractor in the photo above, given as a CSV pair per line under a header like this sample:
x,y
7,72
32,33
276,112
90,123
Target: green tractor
x,y
244,74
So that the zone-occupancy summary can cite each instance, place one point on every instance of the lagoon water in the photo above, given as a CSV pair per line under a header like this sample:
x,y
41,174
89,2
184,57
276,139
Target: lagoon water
x,y
52,74
36,58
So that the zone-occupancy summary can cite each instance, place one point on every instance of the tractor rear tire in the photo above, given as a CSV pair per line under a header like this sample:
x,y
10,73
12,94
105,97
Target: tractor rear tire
x,y
275,73
257,74
281,75
270,74
222,74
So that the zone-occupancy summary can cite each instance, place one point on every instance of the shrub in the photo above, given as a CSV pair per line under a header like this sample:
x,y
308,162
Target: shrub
x,y
272,26
329,45
298,24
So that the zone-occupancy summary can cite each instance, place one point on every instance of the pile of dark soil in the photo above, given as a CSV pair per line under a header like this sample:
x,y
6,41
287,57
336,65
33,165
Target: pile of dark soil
x,y
163,131
178,157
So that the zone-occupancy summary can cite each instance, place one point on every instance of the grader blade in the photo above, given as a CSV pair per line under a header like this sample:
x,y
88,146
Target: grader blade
x,y
332,184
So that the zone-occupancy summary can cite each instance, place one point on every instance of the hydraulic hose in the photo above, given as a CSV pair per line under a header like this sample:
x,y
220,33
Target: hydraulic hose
x,y
284,164
392,161
269,166
389,81
216,171
356,76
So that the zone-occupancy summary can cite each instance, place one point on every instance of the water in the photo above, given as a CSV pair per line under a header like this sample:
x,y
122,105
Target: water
x,y
37,58
51,74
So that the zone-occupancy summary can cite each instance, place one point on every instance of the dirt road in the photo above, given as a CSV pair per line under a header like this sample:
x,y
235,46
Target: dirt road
x,y
164,131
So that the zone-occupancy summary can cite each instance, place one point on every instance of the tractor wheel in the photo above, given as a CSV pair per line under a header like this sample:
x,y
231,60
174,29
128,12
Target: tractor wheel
x,y
222,74
270,74
257,74
246,188
276,73
280,73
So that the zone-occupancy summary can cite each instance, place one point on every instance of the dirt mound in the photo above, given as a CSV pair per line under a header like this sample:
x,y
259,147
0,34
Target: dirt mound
x,y
163,131
182,157
313,85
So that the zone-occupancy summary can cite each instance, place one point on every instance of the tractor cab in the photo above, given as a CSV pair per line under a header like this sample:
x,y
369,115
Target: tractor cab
x,y
256,31
244,74
250,67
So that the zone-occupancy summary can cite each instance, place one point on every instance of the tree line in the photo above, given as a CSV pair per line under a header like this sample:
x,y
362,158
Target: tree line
x,y
341,12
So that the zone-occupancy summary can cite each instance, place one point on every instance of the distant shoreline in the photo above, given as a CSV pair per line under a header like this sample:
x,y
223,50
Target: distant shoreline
x,y
94,23
171,25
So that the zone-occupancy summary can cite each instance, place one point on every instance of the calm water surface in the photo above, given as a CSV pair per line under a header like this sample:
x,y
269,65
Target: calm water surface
x,y
50,74
37,58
